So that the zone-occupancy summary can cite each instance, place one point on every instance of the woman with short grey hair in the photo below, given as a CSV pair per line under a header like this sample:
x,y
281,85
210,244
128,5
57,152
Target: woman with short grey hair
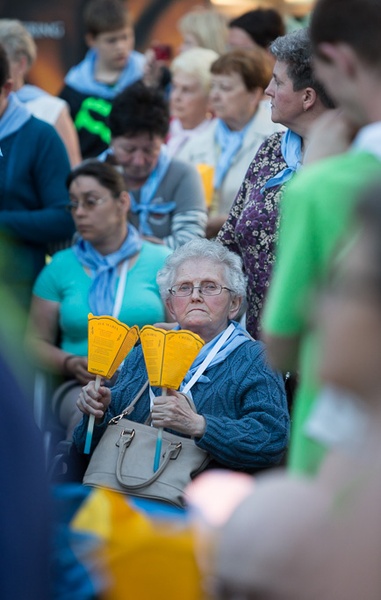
x,y
251,229
198,249
295,50
241,415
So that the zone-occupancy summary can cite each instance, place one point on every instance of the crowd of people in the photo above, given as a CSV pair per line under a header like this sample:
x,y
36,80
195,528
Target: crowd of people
x,y
233,193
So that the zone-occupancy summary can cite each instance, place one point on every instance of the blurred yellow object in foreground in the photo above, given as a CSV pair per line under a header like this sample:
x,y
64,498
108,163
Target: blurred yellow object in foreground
x,y
146,556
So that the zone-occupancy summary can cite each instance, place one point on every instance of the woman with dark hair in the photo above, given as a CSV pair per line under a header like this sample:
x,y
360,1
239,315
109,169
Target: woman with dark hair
x,y
254,28
167,199
297,100
109,270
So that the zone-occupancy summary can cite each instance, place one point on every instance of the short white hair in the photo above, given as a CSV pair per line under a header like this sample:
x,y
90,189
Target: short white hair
x,y
197,249
196,62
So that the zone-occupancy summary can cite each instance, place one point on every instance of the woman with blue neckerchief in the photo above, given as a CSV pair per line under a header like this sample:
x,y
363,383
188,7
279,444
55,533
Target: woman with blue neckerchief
x,y
167,198
109,270
297,101
241,415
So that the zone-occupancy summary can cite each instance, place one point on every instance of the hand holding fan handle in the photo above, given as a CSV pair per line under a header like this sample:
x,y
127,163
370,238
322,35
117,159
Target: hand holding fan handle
x,y
90,426
159,442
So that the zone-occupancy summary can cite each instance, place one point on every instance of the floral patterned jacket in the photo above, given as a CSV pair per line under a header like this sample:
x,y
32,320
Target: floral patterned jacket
x,y
251,229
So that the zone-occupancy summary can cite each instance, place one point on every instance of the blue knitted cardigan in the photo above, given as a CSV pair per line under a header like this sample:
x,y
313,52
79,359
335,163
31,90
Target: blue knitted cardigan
x,y
243,402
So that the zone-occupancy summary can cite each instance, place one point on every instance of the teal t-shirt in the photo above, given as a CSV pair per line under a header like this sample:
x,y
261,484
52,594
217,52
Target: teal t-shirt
x,y
315,217
65,281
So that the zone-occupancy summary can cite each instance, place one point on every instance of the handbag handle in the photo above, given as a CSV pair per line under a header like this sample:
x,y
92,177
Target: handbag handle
x,y
173,449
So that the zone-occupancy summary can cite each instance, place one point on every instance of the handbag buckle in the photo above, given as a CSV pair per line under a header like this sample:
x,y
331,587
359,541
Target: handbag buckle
x,y
115,420
175,450
123,433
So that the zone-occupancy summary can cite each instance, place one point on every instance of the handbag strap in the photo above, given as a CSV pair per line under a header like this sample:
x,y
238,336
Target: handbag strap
x,y
171,452
128,410
208,359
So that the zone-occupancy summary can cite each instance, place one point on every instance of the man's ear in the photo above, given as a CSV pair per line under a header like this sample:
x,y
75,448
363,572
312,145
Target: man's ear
x,y
90,39
341,55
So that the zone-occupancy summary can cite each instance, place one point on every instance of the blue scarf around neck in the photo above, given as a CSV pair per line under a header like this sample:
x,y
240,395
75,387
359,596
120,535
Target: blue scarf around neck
x,y
14,117
291,148
104,269
27,93
230,143
238,337
147,194
81,77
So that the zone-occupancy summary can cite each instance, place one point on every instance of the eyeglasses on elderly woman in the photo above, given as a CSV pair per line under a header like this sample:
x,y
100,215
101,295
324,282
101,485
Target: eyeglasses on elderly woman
x,y
207,288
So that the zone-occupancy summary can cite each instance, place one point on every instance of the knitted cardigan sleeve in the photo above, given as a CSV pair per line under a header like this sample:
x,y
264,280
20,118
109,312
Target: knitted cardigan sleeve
x,y
247,420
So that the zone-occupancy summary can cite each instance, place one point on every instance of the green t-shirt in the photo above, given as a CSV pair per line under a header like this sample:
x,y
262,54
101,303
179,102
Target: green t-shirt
x,y
315,216
65,281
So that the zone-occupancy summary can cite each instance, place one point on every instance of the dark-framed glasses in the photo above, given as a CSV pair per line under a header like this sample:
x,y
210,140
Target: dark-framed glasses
x,y
88,202
206,288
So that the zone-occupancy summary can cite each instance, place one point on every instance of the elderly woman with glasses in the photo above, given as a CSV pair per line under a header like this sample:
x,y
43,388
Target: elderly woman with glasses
x,y
109,270
242,418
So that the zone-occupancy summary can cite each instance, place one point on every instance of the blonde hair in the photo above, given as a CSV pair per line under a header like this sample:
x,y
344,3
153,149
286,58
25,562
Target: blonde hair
x,y
208,26
196,62
17,41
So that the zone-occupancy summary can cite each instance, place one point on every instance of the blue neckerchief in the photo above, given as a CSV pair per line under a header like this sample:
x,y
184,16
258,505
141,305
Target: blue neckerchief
x,y
104,269
27,93
238,337
81,77
102,157
291,148
147,194
229,142
14,117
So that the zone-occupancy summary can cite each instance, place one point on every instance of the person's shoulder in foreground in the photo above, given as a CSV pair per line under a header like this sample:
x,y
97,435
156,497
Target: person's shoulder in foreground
x,y
24,501
315,210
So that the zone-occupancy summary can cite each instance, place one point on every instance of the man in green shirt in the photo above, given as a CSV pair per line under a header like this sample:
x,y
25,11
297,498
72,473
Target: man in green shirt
x,y
317,206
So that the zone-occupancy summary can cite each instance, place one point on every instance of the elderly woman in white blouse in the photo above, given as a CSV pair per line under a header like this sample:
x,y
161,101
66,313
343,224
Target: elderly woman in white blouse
x,y
189,98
